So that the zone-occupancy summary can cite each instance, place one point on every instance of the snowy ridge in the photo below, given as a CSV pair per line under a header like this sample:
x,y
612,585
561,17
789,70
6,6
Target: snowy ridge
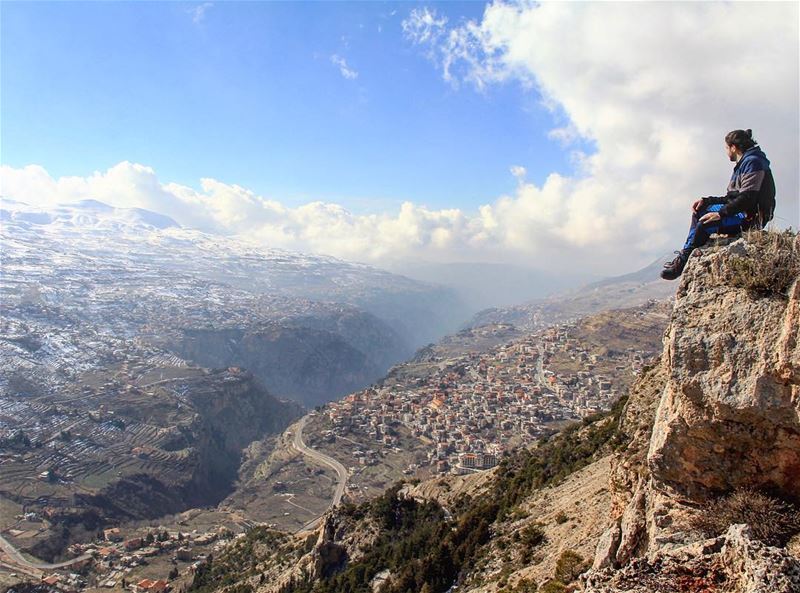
x,y
136,236
86,214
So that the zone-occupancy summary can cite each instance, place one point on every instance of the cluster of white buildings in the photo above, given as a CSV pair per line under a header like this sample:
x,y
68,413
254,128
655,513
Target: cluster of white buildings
x,y
473,406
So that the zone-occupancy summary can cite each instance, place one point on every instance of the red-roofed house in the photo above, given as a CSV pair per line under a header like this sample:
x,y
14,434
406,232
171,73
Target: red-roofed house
x,y
150,586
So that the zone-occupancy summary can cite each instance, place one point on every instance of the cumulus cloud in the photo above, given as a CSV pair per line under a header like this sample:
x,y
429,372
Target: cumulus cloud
x,y
413,231
513,228
654,86
344,69
234,210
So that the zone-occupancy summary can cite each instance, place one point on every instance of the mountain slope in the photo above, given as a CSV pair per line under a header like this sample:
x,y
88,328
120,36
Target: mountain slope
x,y
133,238
630,485
99,453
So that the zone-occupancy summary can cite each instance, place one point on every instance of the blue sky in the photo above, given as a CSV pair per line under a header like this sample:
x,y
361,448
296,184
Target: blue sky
x,y
249,94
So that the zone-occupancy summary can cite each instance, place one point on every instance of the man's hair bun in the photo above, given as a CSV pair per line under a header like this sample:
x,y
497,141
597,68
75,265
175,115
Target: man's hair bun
x,y
741,139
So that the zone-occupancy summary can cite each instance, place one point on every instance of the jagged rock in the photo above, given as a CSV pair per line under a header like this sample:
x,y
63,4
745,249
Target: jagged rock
x,y
606,552
329,558
632,525
732,562
728,416
628,471
341,539
759,568
380,579
328,555
789,344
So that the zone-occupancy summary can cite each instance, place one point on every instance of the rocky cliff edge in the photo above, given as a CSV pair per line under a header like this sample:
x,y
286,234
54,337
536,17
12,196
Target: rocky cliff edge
x,y
719,415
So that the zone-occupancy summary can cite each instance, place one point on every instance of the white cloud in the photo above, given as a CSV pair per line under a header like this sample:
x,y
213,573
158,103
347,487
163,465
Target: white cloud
x,y
565,135
344,69
655,86
413,231
198,13
424,25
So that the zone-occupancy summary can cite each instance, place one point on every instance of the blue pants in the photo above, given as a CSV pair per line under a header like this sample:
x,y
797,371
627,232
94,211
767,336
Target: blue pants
x,y
700,233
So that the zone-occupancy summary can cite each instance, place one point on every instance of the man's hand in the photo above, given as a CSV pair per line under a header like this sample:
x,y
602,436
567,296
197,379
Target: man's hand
x,y
697,205
710,217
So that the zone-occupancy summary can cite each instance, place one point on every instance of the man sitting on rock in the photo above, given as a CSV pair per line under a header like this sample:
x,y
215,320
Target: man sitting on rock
x,y
748,204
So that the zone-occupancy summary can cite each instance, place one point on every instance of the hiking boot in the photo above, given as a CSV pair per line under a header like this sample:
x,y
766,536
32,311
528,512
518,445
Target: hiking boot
x,y
674,268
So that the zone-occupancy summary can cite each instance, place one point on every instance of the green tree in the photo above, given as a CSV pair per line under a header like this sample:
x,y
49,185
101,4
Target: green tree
x,y
570,566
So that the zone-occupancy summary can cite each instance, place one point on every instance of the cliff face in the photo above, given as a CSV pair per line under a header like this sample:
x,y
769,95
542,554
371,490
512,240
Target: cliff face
x,y
311,360
729,415
720,413
230,417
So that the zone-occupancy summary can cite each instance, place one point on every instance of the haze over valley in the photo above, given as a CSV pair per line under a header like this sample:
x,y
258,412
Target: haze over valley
x,y
150,369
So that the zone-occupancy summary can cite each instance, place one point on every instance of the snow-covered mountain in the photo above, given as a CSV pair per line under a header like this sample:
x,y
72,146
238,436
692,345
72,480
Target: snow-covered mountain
x,y
86,214
133,238
88,285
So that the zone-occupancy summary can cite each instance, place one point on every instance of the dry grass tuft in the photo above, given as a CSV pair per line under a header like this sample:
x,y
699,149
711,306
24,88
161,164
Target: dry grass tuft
x,y
770,266
772,521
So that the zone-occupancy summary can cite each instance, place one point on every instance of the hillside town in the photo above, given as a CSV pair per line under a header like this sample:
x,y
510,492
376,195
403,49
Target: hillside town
x,y
122,560
469,410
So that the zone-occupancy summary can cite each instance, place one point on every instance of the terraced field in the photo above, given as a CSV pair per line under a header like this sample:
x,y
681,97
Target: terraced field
x,y
116,449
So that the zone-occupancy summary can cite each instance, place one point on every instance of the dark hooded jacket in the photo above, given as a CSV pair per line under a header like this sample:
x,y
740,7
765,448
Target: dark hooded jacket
x,y
751,189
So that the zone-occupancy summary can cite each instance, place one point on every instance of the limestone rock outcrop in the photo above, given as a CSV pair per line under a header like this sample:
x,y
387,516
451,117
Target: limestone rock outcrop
x,y
339,542
720,412
734,561
329,555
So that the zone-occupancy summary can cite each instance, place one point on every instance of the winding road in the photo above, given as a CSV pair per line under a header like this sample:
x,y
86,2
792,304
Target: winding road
x,y
297,442
341,471
19,560
540,368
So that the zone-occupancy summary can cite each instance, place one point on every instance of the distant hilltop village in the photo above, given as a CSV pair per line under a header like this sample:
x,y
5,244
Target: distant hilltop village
x,y
468,410
113,558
